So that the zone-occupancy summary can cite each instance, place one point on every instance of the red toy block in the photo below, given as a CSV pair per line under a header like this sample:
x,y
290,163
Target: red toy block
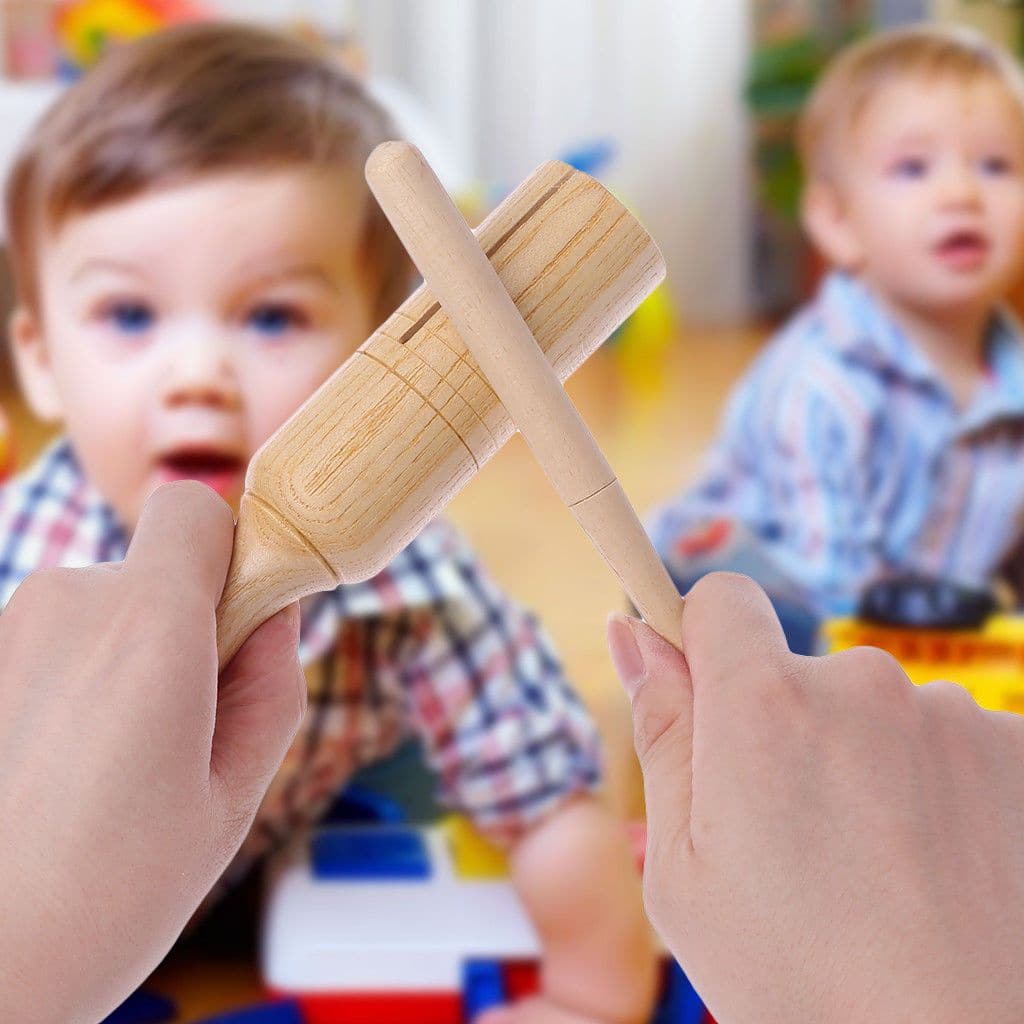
x,y
522,978
423,1008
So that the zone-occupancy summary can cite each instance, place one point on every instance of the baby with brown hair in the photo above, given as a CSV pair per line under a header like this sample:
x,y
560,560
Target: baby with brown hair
x,y
195,252
881,433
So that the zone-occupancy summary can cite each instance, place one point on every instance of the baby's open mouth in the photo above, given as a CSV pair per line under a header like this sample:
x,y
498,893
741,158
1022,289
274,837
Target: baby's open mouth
x,y
963,250
217,469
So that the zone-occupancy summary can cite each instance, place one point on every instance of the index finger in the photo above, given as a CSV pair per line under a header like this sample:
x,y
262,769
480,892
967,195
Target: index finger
x,y
185,534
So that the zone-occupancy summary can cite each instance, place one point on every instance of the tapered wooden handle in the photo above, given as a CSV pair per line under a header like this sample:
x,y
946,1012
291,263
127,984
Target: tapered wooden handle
x,y
396,432
459,274
271,566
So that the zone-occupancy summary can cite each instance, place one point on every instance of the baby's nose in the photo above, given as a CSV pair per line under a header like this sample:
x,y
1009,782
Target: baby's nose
x,y
200,372
960,185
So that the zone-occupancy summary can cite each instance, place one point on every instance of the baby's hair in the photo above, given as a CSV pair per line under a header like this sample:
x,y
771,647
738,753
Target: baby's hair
x,y
194,100
861,71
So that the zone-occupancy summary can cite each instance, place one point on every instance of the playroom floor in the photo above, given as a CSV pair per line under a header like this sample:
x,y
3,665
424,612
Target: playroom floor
x,y
652,425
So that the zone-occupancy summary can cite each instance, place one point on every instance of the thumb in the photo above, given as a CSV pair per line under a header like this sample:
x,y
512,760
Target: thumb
x,y
260,704
657,679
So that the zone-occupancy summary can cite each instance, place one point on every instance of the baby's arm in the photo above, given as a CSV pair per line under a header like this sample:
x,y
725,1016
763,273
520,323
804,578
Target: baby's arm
x,y
791,468
574,872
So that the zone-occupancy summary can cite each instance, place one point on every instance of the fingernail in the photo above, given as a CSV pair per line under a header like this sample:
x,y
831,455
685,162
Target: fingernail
x,y
626,656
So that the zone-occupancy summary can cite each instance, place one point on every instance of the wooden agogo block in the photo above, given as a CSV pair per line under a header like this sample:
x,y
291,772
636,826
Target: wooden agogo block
x,y
494,330
383,445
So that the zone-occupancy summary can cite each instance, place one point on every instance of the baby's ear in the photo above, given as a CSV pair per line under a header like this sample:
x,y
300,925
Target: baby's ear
x,y
824,217
33,365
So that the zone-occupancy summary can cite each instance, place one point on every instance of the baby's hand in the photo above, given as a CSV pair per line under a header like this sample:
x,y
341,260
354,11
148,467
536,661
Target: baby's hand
x,y
535,1010
128,779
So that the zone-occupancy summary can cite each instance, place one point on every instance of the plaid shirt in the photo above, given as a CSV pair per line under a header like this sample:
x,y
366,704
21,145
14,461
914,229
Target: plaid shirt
x,y
430,645
843,458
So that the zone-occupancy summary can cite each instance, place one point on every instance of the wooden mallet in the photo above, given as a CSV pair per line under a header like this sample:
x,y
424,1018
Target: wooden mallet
x,y
392,436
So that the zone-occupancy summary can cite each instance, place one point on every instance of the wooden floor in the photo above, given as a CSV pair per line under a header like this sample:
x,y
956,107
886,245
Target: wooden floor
x,y
652,424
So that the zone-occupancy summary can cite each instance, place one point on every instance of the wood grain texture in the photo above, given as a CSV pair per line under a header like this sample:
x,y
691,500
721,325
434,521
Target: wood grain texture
x,y
495,331
392,436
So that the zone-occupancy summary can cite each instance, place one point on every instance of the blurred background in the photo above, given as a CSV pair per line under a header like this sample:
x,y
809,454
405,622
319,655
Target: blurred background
x,y
684,108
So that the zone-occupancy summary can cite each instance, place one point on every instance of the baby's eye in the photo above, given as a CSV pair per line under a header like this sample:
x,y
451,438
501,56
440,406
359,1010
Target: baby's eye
x,y
909,168
996,166
274,319
129,317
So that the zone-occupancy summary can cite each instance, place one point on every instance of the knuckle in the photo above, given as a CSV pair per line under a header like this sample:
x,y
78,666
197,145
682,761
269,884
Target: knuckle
x,y
948,697
718,587
873,671
652,728
48,586
654,896
666,903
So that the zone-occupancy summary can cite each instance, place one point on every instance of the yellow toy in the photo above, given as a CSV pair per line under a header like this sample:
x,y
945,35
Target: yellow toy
x,y
86,28
475,857
6,448
988,662
641,345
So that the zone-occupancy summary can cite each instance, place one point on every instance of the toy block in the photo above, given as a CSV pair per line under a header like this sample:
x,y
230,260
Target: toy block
x,y
473,856
679,1002
143,1008
359,805
394,853
522,978
483,986
387,936
283,1012
985,661
387,1008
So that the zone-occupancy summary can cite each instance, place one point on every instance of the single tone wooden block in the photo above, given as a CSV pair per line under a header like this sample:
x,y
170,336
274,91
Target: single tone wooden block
x,y
393,435
496,332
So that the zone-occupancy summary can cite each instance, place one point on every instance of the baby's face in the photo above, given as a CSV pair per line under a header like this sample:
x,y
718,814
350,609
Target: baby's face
x,y
180,328
933,190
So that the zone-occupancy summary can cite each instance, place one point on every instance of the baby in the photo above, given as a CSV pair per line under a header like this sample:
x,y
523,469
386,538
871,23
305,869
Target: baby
x,y
882,432
195,251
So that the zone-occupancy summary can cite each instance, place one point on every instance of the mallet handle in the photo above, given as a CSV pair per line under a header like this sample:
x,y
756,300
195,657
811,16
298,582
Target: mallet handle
x,y
462,279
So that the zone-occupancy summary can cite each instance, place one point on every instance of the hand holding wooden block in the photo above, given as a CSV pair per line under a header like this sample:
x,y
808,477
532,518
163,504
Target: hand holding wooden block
x,y
393,435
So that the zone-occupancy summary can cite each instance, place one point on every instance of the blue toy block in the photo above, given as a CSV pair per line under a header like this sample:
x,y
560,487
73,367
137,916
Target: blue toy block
x,y
143,1008
370,854
357,804
679,1003
283,1012
483,986
592,157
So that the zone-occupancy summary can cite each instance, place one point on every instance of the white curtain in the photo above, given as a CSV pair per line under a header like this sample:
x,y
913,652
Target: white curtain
x,y
513,82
